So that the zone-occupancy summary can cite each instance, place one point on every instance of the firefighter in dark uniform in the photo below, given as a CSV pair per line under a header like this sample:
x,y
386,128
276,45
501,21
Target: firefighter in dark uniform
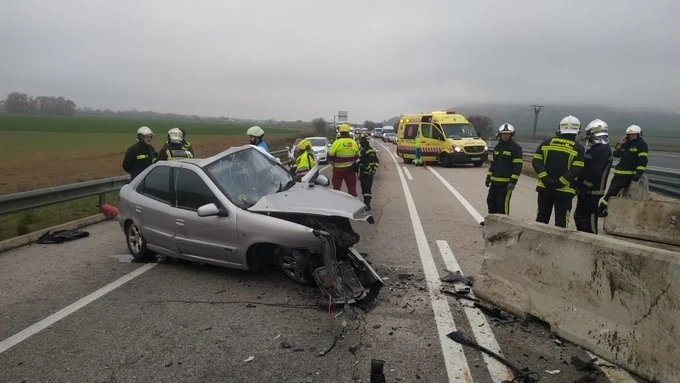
x,y
557,162
140,155
368,164
504,171
592,182
174,147
186,144
632,150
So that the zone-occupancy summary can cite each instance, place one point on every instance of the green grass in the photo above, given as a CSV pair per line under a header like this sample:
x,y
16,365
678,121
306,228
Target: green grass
x,y
96,124
23,222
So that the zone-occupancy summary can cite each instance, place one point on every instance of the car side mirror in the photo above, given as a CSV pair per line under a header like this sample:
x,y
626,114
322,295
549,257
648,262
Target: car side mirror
x,y
322,180
210,210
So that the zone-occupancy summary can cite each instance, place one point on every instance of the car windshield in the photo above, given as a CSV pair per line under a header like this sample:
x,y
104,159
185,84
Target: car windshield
x,y
459,131
247,175
318,141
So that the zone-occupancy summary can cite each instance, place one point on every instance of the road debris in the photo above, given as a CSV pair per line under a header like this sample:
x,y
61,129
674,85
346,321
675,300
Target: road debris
x,y
457,276
250,358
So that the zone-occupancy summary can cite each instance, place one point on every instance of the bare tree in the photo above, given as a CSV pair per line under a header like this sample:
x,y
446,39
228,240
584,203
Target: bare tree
x,y
319,125
370,125
482,124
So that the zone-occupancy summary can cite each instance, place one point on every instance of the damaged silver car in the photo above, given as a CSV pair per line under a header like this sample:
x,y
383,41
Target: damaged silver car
x,y
242,209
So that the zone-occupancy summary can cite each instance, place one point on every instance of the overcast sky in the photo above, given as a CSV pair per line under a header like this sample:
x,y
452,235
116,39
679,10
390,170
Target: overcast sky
x,y
295,59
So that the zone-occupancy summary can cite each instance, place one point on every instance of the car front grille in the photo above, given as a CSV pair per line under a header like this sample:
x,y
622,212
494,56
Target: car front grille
x,y
474,149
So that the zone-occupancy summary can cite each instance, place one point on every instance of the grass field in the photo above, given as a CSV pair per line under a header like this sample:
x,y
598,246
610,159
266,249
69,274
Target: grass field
x,y
48,151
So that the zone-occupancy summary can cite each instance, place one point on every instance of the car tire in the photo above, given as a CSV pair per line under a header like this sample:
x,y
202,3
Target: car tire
x,y
445,160
294,264
135,242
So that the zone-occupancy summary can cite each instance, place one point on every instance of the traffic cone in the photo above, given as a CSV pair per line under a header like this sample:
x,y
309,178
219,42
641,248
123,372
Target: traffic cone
x,y
109,210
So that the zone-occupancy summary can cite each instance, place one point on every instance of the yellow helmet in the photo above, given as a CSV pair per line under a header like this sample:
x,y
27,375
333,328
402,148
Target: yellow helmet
x,y
305,145
344,128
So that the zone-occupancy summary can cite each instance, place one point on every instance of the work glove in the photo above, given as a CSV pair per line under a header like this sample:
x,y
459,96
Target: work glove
x,y
549,183
636,177
487,182
511,186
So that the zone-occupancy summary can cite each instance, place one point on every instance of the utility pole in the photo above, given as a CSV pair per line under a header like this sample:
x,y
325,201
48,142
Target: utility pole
x,y
537,108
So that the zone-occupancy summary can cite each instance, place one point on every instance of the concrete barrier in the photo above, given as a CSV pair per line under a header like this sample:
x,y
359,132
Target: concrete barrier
x,y
616,298
657,221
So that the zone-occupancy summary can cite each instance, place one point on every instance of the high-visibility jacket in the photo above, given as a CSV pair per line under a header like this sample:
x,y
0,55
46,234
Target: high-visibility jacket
x,y
633,156
344,152
598,162
368,160
303,163
416,141
174,152
507,162
560,158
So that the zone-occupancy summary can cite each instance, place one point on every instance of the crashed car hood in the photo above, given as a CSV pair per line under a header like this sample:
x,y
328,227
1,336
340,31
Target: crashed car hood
x,y
314,200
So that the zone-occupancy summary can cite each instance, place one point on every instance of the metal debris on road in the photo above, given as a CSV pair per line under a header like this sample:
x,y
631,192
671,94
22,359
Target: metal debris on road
x,y
457,276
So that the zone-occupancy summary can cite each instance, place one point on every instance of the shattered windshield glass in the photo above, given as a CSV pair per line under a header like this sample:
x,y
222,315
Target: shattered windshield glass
x,y
459,131
248,175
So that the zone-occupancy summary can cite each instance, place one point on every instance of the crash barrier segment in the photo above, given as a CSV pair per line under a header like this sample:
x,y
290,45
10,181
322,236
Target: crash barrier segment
x,y
11,203
662,181
618,299
657,221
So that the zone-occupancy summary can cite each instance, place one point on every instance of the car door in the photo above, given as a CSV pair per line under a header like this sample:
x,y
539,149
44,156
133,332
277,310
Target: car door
x,y
213,237
153,210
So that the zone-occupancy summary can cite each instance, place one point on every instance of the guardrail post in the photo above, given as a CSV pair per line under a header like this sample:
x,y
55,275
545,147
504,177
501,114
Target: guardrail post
x,y
102,199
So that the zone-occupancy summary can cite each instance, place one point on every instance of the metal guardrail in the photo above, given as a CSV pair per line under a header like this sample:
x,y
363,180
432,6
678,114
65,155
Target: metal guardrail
x,y
662,181
11,203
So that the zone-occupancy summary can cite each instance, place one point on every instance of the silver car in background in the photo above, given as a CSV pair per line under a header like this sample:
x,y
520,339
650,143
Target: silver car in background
x,y
242,209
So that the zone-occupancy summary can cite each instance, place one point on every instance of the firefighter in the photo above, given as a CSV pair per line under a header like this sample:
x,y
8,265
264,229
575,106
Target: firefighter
x,y
186,144
343,154
416,143
632,151
305,161
592,182
174,147
368,164
141,154
504,171
557,162
256,137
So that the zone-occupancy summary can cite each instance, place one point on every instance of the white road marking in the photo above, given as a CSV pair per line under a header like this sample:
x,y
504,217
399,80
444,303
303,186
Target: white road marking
x,y
70,309
454,357
478,217
408,174
480,327
614,375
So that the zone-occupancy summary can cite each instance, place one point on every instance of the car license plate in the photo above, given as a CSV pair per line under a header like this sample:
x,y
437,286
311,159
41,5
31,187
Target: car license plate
x,y
475,158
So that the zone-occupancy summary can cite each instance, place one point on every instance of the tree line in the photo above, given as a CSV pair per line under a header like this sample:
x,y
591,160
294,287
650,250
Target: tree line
x,y
17,102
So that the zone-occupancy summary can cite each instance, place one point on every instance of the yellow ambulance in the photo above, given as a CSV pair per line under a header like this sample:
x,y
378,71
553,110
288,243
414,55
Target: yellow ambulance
x,y
445,137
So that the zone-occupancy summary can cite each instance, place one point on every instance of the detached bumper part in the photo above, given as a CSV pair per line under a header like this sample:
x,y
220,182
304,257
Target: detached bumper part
x,y
339,280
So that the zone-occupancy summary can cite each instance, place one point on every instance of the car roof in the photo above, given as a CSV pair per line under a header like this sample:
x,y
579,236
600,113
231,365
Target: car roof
x,y
316,137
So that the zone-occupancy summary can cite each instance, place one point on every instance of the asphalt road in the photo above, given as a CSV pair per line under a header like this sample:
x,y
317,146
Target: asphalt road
x,y
195,323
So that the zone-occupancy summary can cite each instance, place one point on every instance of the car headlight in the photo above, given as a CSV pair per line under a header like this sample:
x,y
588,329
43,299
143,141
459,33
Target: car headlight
x,y
457,148
486,148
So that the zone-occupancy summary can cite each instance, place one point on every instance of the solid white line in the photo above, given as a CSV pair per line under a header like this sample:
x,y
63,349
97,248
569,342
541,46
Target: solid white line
x,y
70,309
408,174
480,327
478,217
454,357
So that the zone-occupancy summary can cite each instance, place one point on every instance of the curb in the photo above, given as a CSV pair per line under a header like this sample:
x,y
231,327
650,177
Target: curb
x,y
29,238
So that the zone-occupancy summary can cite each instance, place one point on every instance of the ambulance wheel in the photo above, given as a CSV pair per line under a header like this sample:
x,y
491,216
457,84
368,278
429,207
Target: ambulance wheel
x,y
408,161
445,160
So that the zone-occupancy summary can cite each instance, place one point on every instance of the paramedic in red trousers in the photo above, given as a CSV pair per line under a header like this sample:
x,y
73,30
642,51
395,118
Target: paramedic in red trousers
x,y
343,154
557,162
504,171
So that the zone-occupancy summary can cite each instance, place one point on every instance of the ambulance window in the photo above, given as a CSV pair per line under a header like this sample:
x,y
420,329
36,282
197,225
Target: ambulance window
x,y
425,129
437,134
410,131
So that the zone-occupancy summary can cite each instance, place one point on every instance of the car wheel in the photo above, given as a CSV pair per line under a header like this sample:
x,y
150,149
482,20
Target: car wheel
x,y
445,160
135,242
478,164
295,265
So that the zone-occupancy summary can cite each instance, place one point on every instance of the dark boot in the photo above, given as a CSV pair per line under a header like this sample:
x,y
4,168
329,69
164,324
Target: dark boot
x,y
367,202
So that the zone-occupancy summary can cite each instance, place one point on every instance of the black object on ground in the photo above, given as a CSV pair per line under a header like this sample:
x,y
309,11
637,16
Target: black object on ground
x,y
61,236
457,277
377,374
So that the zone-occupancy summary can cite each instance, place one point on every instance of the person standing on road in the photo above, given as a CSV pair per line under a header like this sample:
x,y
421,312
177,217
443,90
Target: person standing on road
x,y
504,171
343,154
632,150
305,161
416,144
592,182
256,137
368,164
141,154
173,148
557,162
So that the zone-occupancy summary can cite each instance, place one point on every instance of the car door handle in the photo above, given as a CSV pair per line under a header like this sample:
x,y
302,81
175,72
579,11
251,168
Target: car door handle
x,y
138,209
179,222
